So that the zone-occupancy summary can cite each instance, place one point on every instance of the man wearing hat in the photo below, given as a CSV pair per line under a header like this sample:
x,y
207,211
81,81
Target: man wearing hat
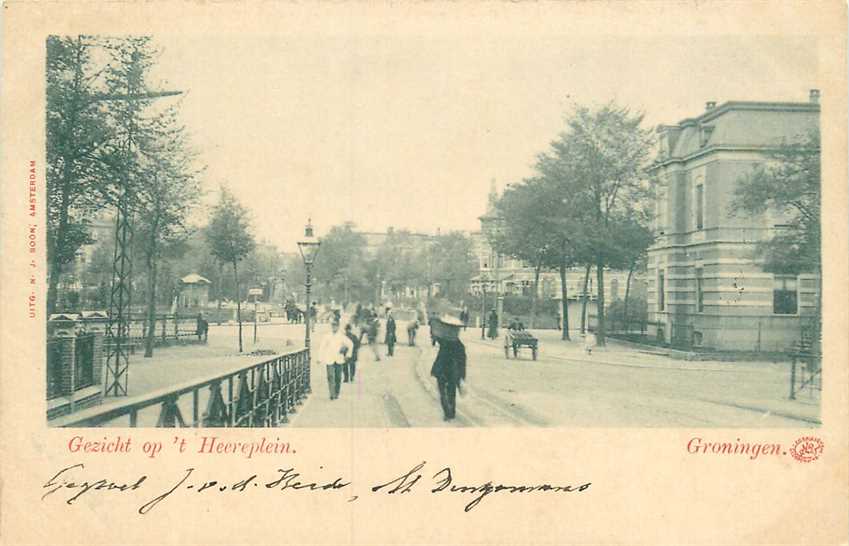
x,y
333,353
390,333
449,368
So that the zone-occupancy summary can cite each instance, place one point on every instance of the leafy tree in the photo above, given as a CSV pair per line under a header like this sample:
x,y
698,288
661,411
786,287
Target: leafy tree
x,y
527,231
452,264
170,190
395,264
341,264
599,162
789,184
76,132
230,240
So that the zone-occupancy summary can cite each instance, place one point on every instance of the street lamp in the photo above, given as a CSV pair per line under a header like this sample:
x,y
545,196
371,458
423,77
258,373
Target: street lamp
x,y
309,250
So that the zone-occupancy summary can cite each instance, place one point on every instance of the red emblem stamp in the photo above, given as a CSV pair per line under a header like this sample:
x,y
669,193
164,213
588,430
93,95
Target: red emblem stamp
x,y
807,449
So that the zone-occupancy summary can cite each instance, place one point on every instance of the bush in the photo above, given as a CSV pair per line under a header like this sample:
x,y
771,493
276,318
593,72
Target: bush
x,y
637,314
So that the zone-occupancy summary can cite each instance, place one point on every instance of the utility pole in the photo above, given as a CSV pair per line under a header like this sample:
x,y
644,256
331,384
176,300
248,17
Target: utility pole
x,y
120,296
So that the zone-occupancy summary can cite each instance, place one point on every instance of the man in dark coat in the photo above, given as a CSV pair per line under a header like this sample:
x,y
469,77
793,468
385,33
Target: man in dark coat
x,y
350,369
390,334
202,328
449,368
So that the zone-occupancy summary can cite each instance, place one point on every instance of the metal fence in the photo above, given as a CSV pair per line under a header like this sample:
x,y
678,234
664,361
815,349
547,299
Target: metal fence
x,y
258,395
84,361
54,368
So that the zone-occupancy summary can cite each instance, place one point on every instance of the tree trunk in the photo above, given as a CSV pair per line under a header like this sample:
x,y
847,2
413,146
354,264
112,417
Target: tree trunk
x,y
238,303
564,303
151,303
67,169
585,298
599,273
52,285
534,296
220,290
628,295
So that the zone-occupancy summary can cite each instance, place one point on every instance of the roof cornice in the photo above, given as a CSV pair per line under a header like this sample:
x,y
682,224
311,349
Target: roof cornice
x,y
750,105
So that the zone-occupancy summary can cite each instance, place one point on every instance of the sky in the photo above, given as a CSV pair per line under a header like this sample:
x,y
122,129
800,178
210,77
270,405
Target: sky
x,y
408,129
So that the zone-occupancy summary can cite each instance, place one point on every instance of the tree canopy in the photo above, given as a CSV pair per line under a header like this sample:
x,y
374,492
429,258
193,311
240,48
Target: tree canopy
x,y
788,184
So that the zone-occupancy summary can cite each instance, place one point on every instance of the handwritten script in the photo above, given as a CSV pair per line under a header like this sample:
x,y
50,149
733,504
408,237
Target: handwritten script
x,y
75,481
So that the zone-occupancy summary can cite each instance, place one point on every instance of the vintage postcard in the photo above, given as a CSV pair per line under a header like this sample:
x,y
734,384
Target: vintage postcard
x,y
424,273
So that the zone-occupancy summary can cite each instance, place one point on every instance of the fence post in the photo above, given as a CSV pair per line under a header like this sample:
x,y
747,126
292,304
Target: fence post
x,y
176,326
64,332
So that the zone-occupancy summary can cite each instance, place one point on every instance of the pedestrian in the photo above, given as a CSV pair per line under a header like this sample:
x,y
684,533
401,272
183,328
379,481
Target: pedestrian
x,y
412,328
350,369
333,352
372,338
430,320
464,317
202,328
449,368
493,324
390,333
589,342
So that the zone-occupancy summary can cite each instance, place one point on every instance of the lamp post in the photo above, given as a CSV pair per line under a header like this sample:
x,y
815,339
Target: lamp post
x,y
483,309
309,249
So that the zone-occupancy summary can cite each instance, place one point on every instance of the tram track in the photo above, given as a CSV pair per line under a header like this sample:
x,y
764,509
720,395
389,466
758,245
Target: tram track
x,y
514,414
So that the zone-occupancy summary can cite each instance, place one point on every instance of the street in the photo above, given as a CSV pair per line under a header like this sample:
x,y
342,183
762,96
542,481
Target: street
x,y
615,386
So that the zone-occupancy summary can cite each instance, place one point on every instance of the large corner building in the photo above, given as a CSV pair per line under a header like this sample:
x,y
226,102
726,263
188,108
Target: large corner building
x,y
705,286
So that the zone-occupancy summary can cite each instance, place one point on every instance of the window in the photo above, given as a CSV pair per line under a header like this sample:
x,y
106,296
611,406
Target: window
x,y
785,298
661,292
704,135
660,213
700,206
700,300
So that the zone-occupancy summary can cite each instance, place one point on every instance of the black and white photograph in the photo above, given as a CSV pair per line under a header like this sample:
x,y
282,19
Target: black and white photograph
x,y
424,273
423,232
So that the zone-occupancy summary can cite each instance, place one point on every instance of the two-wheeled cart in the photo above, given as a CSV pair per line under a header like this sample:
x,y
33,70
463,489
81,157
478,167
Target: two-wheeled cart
x,y
516,339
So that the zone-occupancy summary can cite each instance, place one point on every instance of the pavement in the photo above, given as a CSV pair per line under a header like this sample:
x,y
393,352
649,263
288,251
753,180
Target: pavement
x,y
616,385
177,364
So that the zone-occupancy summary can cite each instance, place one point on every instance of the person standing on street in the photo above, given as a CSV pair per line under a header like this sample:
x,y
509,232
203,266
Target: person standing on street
x,y
372,337
493,324
202,328
449,368
412,328
390,333
351,363
333,353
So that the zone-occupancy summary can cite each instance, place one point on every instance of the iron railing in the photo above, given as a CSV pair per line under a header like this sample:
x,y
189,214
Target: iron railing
x,y
257,395
84,361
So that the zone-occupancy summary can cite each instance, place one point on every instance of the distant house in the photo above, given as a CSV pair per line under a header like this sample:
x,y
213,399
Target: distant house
x,y
705,285
194,291
512,277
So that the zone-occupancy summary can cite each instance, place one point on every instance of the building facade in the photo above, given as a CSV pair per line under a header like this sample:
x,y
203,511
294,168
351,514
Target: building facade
x,y
705,285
